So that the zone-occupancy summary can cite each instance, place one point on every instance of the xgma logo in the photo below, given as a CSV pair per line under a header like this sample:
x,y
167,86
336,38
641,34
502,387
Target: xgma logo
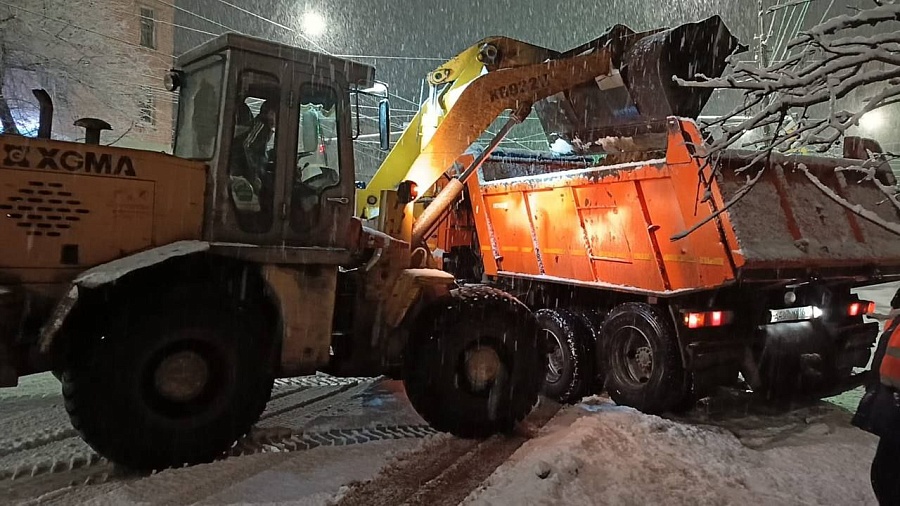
x,y
89,162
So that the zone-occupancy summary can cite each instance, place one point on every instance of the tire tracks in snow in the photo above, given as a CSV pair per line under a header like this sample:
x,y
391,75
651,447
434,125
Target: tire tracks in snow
x,y
32,427
49,464
445,472
30,423
191,484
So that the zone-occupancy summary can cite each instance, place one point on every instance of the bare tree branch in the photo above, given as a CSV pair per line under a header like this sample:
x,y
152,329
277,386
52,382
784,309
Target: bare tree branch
x,y
833,75
77,50
854,208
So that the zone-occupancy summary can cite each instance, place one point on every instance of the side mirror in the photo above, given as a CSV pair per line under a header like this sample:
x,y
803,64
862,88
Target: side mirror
x,y
384,124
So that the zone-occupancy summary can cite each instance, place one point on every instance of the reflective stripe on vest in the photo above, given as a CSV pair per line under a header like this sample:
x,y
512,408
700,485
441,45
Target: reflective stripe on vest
x,y
890,364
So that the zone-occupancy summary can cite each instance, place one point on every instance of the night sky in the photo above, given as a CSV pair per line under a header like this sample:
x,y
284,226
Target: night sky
x,y
439,30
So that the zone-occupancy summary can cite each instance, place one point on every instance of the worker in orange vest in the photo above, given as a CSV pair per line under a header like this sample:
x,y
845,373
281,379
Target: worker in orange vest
x,y
879,410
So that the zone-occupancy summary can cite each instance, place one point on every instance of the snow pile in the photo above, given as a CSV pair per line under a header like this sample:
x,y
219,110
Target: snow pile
x,y
605,454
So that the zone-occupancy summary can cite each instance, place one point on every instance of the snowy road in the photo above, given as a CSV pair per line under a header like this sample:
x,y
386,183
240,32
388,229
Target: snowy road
x,y
316,434
356,441
321,443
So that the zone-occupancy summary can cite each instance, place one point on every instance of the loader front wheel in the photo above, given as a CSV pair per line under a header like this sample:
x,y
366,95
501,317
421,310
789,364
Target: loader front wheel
x,y
473,365
643,363
172,382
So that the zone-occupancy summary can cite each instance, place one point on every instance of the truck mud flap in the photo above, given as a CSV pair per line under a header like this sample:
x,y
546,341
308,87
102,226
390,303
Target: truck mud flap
x,y
858,341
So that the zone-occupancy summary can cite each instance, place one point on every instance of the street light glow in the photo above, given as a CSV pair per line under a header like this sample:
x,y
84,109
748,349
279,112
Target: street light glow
x,y
872,120
313,24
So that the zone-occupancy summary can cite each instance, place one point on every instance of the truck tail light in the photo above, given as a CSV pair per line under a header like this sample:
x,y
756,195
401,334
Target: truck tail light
x,y
707,319
863,307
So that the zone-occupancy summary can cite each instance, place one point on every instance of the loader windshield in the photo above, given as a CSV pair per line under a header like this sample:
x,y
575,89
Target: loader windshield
x,y
198,110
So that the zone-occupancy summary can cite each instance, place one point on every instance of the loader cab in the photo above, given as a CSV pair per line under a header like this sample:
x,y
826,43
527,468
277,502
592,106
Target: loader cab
x,y
274,123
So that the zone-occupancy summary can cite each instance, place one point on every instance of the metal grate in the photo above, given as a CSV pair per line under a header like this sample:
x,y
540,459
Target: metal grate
x,y
43,209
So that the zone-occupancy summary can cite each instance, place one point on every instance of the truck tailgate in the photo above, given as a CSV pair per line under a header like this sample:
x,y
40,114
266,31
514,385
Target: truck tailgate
x,y
788,221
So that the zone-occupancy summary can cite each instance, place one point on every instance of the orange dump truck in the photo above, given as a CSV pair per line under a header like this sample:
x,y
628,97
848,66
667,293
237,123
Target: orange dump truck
x,y
761,288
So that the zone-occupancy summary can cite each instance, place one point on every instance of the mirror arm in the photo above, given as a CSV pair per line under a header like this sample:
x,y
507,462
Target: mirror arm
x,y
356,96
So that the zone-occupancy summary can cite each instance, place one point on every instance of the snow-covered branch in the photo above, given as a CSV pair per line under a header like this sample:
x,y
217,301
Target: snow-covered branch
x,y
834,77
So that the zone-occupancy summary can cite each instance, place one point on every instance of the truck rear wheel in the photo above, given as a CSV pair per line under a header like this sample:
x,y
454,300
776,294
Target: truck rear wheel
x,y
568,377
643,362
172,381
473,365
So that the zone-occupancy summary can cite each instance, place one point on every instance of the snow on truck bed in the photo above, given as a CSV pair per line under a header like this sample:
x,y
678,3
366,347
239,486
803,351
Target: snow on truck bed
x,y
599,453
786,218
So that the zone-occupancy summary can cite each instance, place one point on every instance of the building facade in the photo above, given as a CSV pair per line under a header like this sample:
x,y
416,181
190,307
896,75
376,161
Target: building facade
x,y
103,59
149,25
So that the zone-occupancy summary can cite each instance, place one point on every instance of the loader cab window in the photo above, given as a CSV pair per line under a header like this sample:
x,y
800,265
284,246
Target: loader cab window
x,y
318,164
251,163
198,110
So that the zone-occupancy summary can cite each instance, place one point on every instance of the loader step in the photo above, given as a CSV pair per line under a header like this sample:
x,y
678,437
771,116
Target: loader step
x,y
9,311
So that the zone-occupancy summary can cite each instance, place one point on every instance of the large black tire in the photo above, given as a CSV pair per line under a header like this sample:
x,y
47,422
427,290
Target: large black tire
x,y
483,322
569,367
643,362
113,391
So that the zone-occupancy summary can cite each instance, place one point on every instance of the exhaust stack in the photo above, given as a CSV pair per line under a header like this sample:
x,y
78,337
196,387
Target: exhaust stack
x,y
92,128
46,113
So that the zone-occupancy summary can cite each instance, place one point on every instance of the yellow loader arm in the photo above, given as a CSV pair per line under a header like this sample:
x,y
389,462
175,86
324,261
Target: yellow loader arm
x,y
495,74
492,53
480,90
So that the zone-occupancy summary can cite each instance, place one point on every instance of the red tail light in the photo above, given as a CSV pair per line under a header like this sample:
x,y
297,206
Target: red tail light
x,y
863,307
707,319
693,320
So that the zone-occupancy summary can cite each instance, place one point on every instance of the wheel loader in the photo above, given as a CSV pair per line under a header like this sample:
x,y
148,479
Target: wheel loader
x,y
658,270
167,291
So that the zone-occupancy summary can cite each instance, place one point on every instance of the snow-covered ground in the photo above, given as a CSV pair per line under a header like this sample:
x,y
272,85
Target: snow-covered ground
x,y
590,453
599,453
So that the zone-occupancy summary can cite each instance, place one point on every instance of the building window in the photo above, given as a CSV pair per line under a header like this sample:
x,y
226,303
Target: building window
x,y
148,28
148,111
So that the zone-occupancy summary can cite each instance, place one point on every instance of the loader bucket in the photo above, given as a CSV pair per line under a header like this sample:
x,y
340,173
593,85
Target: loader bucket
x,y
640,94
685,51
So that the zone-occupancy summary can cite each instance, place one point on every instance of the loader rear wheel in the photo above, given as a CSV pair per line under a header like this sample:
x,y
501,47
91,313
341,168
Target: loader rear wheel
x,y
643,362
171,383
473,365
569,374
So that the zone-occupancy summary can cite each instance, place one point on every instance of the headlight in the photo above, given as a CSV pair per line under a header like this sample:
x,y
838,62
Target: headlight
x,y
793,314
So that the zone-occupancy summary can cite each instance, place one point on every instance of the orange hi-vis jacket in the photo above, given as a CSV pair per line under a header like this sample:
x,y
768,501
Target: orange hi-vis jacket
x,y
890,364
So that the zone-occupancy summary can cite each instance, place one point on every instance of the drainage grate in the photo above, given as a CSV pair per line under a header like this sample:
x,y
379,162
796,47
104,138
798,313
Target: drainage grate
x,y
43,208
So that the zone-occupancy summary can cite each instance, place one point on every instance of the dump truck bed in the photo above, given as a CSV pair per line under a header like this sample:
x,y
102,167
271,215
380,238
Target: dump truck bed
x,y
788,220
613,226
